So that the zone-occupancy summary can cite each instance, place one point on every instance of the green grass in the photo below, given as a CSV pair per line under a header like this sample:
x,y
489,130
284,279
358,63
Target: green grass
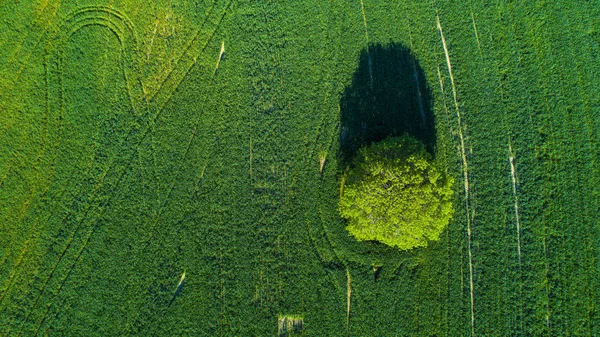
x,y
126,159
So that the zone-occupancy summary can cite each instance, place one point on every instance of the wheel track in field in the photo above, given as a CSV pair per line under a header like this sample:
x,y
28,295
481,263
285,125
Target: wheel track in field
x,y
170,75
476,32
555,167
364,15
59,260
591,138
163,206
5,92
28,53
193,134
117,32
513,171
515,191
465,171
42,146
321,129
330,141
159,110
547,272
576,170
77,259
15,156
272,64
415,74
322,107
515,184
92,199
40,155
446,110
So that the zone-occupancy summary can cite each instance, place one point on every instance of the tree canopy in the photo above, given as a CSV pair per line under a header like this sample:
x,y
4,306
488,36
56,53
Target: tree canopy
x,y
396,194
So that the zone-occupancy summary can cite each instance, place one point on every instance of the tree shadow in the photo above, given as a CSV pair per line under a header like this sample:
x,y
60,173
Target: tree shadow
x,y
388,96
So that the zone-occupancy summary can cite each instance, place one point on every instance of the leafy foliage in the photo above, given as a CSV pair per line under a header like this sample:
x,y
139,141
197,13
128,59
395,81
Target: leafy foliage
x,y
396,194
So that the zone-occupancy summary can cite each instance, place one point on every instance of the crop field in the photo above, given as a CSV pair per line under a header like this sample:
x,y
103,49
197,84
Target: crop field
x,y
173,168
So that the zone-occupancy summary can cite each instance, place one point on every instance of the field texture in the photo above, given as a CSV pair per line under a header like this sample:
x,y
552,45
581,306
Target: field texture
x,y
173,168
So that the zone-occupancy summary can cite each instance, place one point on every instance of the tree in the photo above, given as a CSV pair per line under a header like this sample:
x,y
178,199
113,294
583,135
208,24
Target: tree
x,y
396,194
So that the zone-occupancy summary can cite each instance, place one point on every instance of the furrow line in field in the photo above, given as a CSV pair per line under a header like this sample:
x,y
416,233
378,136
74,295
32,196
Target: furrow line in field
x,y
156,115
553,167
42,290
88,207
275,67
77,260
180,59
349,294
592,140
362,7
170,95
6,91
12,162
465,172
185,154
322,154
364,15
69,242
446,110
151,41
476,34
85,10
416,75
515,185
250,159
36,22
98,185
14,273
64,309
13,277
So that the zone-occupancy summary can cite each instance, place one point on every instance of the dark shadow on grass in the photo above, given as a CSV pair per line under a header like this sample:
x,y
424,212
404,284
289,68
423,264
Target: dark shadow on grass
x,y
388,96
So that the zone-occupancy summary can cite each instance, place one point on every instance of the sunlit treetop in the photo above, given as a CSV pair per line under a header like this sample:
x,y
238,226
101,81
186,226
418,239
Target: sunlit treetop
x,y
396,194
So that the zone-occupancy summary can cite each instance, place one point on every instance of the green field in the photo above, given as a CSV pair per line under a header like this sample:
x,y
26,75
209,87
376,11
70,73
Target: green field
x,y
134,148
